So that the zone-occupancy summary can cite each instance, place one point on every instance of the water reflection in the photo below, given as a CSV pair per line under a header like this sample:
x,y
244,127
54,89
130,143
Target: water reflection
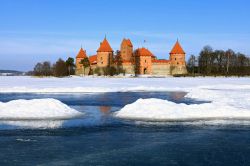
x,y
105,109
113,99
177,95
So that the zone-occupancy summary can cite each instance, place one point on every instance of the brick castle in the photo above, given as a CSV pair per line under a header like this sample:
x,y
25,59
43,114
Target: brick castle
x,y
139,62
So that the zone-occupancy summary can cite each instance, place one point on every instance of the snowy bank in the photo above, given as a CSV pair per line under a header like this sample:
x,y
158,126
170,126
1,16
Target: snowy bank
x,y
36,109
157,109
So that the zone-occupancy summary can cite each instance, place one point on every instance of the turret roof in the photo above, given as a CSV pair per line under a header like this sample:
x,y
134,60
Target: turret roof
x,y
177,49
81,54
105,46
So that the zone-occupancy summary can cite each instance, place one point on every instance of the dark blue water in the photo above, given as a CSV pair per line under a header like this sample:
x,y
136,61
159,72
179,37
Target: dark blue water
x,y
100,139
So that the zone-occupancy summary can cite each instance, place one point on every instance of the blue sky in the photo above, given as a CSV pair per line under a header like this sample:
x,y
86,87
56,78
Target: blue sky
x,y
38,30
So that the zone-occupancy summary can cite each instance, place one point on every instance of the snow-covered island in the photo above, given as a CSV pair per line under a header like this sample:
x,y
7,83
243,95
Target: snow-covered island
x,y
227,97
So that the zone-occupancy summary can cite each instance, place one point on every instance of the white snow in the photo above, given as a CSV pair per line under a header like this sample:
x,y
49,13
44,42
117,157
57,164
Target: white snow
x,y
225,102
23,84
34,124
228,97
157,109
36,109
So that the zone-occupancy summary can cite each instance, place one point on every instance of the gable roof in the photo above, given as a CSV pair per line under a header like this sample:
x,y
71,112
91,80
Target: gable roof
x,y
143,52
81,54
177,49
105,46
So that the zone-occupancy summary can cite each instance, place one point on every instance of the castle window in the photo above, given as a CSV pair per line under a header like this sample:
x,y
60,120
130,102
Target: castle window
x,y
174,58
145,60
101,58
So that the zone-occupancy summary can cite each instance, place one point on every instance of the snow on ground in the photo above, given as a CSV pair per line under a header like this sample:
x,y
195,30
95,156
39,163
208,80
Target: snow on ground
x,y
228,97
36,109
21,84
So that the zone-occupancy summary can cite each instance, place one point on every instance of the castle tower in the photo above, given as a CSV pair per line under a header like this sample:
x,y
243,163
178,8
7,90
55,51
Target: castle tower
x,y
80,56
177,58
104,54
126,50
143,61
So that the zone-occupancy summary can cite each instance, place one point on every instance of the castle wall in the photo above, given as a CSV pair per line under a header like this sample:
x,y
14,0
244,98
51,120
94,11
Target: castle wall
x,y
178,70
178,64
104,59
129,68
80,71
161,69
177,59
126,52
143,65
78,64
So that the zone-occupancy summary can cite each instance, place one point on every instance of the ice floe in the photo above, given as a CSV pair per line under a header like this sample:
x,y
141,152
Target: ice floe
x,y
157,109
36,109
223,102
32,124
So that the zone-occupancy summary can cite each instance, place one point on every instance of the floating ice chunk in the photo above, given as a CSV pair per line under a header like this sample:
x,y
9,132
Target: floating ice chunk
x,y
36,109
33,124
157,109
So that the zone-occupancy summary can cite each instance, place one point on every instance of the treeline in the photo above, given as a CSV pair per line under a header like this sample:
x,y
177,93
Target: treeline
x,y
108,71
219,63
63,68
59,69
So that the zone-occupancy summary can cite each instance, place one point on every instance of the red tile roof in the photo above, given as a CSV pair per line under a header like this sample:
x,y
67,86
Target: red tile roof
x,y
143,52
105,46
81,54
177,49
93,59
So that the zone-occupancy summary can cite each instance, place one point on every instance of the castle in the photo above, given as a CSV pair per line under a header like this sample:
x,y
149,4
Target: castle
x,y
139,62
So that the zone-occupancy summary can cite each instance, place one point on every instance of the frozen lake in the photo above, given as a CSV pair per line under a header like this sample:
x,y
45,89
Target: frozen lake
x,y
98,138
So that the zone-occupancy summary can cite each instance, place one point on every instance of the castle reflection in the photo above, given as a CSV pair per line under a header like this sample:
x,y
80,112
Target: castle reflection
x,y
105,109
